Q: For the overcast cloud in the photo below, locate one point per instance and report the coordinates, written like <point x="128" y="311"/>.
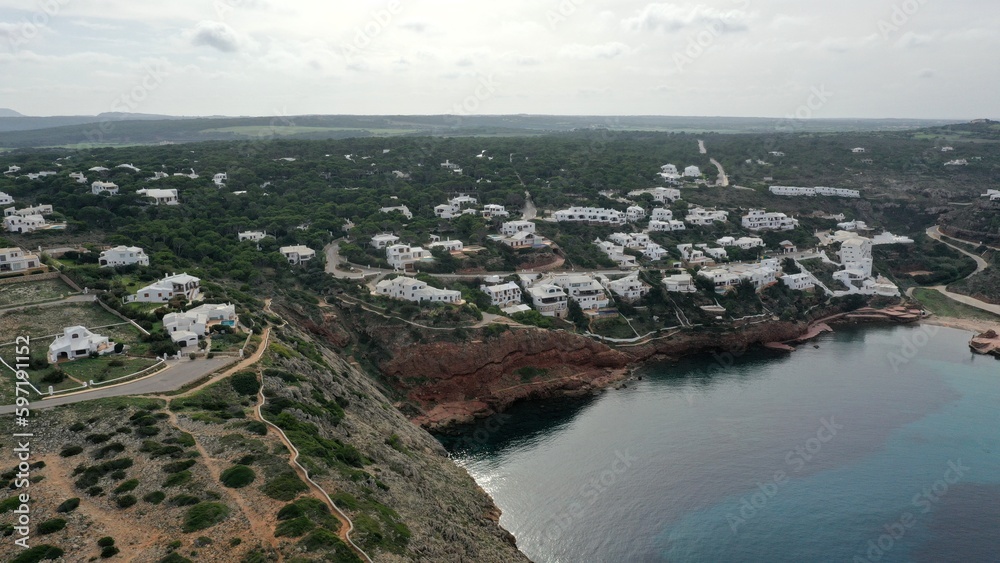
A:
<point x="872" y="58"/>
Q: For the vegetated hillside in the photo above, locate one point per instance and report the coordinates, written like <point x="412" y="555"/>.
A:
<point x="986" y="284"/>
<point x="979" y="222"/>
<point x="203" y="479"/>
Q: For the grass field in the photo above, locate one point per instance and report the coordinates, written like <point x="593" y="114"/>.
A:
<point x="26" y="293"/>
<point x="942" y="306"/>
<point x="284" y="130"/>
<point x="103" y="369"/>
<point x="42" y="322"/>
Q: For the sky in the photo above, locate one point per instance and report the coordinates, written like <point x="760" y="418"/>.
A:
<point x="754" y="58"/>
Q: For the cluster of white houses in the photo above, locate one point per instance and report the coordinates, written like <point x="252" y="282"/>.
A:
<point x="465" y="205"/>
<point x="670" y="172"/>
<point x="810" y="192"/>
<point x="186" y="327"/>
<point x="760" y="220"/>
<point x="409" y="289"/>
<point x="29" y="219"/>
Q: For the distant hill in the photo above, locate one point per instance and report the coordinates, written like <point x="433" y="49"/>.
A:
<point x="130" y="128"/>
<point x="5" y="112"/>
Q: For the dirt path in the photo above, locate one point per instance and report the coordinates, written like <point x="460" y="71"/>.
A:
<point x="132" y="541"/>
<point x="261" y="528"/>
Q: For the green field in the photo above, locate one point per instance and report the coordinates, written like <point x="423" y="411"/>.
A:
<point x="285" y="130"/>
<point x="44" y="323"/>
<point x="942" y="306"/>
<point x="26" y="293"/>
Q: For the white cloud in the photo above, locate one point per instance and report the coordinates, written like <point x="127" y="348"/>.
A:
<point x="217" y="35"/>
<point x="668" y="18"/>
<point x="590" y="52"/>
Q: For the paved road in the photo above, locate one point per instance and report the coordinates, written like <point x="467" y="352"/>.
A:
<point x="530" y="211"/>
<point x="981" y="265"/>
<point x="334" y="263"/>
<point x="701" y="147"/>
<point x="723" y="180"/>
<point x="935" y="233"/>
<point x="179" y="374"/>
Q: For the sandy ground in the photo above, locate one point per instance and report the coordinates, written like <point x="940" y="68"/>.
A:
<point x="972" y="325"/>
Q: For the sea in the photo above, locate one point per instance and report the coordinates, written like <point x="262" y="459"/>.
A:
<point x="866" y="444"/>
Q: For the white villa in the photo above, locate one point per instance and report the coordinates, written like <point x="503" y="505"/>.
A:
<point x="220" y="179"/>
<point x="196" y="321"/>
<point x="162" y="291"/>
<point x="455" y="206"/>
<point x="549" y="300"/>
<point x="799" y="282"/>
<point x="252" y="236"/>
<point x="503" y="295"/>
<point x="661" y="214"/>
<point x="160" y="197"/>
<point x="630" y="288"/>
<point x="702" y="217"/>
<point x="760" y="220"/>
<point x="680" y="283"/>
<point x="524" y="239"/>
<point x="15" y="260"/>
<point x="409" y="289"/>
<point x="591" y="215"/>
<point x="666" y="226"/>
<point x="661" y="195"/>
<point x="400" y="256"/>
<point x="616" y="253"/>
<point x="692" y="172"/>
<point x="6" y="199"/>
<point x="654" y="251"/>
<point x="78" y="342"/>
<point x="634" y="240"/>
<point x="853" y="226"/>
<point x="760" y="274"/>
<point x="43" y="209"/>
<point x="493" y="210"/>
<point x="856" y="260"/>
<point x="511" y="228"/>
<point x="123" y="256"/>
<point x="297" y="254"/>
<point x="810" y="192"/>
<point x="447" y="245"/>
<point x="993" y="195"/>
<point x="24" y="224"/>
<point x="669" y="172"/>
<point x="583" y="289"/>
<point x="635" y="213"/>
<point x="858" y="150"/>
<point x="384" y="240"/>
<point x="79" y="177"/>
<point x="98" y="188"/>
<point x="693" y="256"/>
<point x="401" y="208"/>
<point x="12" y="169"/>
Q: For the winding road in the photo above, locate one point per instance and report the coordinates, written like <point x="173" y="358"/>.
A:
<point x="981" y="264"/>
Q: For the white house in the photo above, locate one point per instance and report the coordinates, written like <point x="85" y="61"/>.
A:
<point x="162" y="291"/>
<point x="669" y="172"/>
<point x="78" y="342"/>
<point x="661" y="214"/>
<point x="666" y="226"/>
<point x="13" y="169"/>
<point x="252" y="236"/>
<point x="123" y="256"/>
<point x="493" y="210"/>
<point x="503" y="295"/>
<point x="853" y="226"/>
<point x="130" y="167"/>
<point x="513" y="227"/>
<point x="447" y="245"/>
<point x="993" y="195"/>
<point x="160" y="197"/>
<point x="702" y="217"/>
<point x="692" y="172"/>
<point x="43" y="209"/>
<point x="199" y="319"/>
<point x="524" y="239"/>
<point x="837" y="192"/>
<point x="98" y="188"/>
<point x="654" y="252"/>
<point x="799" y="282"/>
<point x="24" y="224"/>
<point x="760" y="220"/>
<point x="957" y="162"/>
<point x="856" y="258"/>
<point x="16" y="260"/>
<point x="400" y="208"/>
<point x="792" y="191"/>
<point x="630" y="288"/>
<point x="409" y="289"/>
<point x="635" y="213"/>
<point x="450" y="165"/>
<point x="79" y="177"/>
<point x="297" y="254"/>
<point x="6" y="199"/>
<point x="220" y="179"/>
<point x="616" y="253"/>
<point x="665" y="195"/>
<point x="383" y="240"/>
<point x="400" y="256"/>
<point x="549" y="300"/>
<point x="591" y="215"/>
<point x="693" y="256"/>
<point x="680" y="283"/>
<point x="582" y="289"/>
<point x="858" y="150"/>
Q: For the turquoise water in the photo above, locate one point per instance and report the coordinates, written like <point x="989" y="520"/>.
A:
<point x="882" y="444"/>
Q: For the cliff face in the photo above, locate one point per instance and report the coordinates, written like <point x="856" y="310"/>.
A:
<point x="457" y="382"/>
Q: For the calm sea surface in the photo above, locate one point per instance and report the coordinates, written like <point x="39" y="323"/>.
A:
<point x="882" y="444"/>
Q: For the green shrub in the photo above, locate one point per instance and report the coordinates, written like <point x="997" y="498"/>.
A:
<point x="77" y="427"/>
<point x="54" y="377"/>
<point x="294" y="528"/>
<point x="68" y="505"/>
<point x="184" y="500"/>
<point x="174" y="558"/>
<point x="106" y="541"/>
<point x="257" y="427"/>
<point x="127" y="486"/>
<point x="245" y="383"/>
<point x="51" y="526"/>
<point x="97" y="438"/>
<point x="125" y="501"/>
<point x="95" y="491"/>
<point x="204" y="515"/>
<point x="285" y="486"/>
<point x="109" y="551"/>
<point x="38" y="553"/>
<point x="177" y="479"/>
<point x="113" y="448"/>
<point x="10" y="503"/>
<point x="155" y="497"/>
<point x="237" y="476"/>
<point x="178" y="466"/>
